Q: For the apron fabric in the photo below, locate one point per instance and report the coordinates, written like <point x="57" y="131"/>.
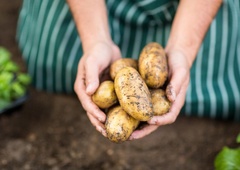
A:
<point x="52" y="48"/>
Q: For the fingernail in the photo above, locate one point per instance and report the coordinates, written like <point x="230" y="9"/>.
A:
<point x="102" y="131"/>
<point x="101" y="120"/>
<point x="89" y="89"/>
<point x="153" y="121"/>
<point x="171" y="93"/>
<point x="131" y="138"/>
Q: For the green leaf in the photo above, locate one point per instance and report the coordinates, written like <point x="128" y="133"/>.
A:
<point x="4" y="52"/>
<point x="10" y="67"/>
<point x="6" y="78"/>
<point x="13" y="83"/>
<point x="228" y="159"/>
<point x="4" y="55"/>
<point x="6" y="94"/>
<point x="238" y="138"/>
<point x="24" y="78"/>
<point x="18" y="90"/>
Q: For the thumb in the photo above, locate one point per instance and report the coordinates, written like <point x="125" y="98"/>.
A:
<point x="177" y="80"/>
<point x="178" y="73"/>
<point x="92" y="76"/>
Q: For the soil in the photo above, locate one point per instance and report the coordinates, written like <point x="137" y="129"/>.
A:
<point x="52" y="131"/>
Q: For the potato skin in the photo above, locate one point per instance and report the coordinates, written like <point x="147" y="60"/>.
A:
<point x="119" y="125"/>
<point x="153" y="66"/>
<point x="133" y="94"/>
<point x="105" y="95"/>
<point x="121" y="63"/>
<point x="161" y="104"/>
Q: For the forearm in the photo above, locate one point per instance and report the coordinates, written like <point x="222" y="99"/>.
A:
<point x="91" y="20"/>
<point x="190" y="25"/>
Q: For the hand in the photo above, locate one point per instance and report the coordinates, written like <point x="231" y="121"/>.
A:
<point x="179" y="75"/>
<point x="92" y="68"/>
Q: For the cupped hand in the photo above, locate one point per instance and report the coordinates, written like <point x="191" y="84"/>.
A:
<point x="179" y="75"/>
<point x="92" y="69"/>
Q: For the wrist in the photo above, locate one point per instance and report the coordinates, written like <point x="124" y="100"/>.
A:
<point x="188" y="31"/>
<point x="91" y="20"/>
<point x="186" y="53"/>
<point x="88" y="45"/>
<point x="90" y="40"/>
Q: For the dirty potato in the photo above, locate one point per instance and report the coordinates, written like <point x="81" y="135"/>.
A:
<point x="121" y="63"/>
<point x="105" y="95"/>
<point x="152" y="65"/>
<point x="161" y="104"/>
<point x="133" y="94"/>
<point x="119" y="125"/>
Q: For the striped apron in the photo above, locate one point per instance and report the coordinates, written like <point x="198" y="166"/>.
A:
<point x="51" y="48"/>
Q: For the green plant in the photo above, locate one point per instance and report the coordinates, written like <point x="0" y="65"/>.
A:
<point x="13" y="83"/>
<point x="228" y="158"/>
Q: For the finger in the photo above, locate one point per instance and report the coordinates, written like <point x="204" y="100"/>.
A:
<point x="170" y="92"/>
<point x="85" y="99"/>
<point x="146" y="130"/>
<point x="90" y="107"/>
<point x="165" y="119"/>
<point x="98" y="125"/>
<point x="175" y="109"/>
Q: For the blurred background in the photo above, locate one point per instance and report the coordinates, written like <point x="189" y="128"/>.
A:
<point x="52" y="131"/>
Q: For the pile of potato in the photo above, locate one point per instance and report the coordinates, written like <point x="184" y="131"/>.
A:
<point x="135" y="92"/>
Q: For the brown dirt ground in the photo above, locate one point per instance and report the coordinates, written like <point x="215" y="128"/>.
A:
<point x="52" y="131"/>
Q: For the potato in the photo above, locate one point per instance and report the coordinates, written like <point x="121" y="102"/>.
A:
<point x="153" y="66"/>
<point x="161" y="104"/>
<point x="133" y="94"/>
<point x="105" y="95"/>
<point x="119" y="125"/>
<point x="121" y="63"/>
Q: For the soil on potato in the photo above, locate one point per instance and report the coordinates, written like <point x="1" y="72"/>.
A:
<point x="52" y="131"/>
